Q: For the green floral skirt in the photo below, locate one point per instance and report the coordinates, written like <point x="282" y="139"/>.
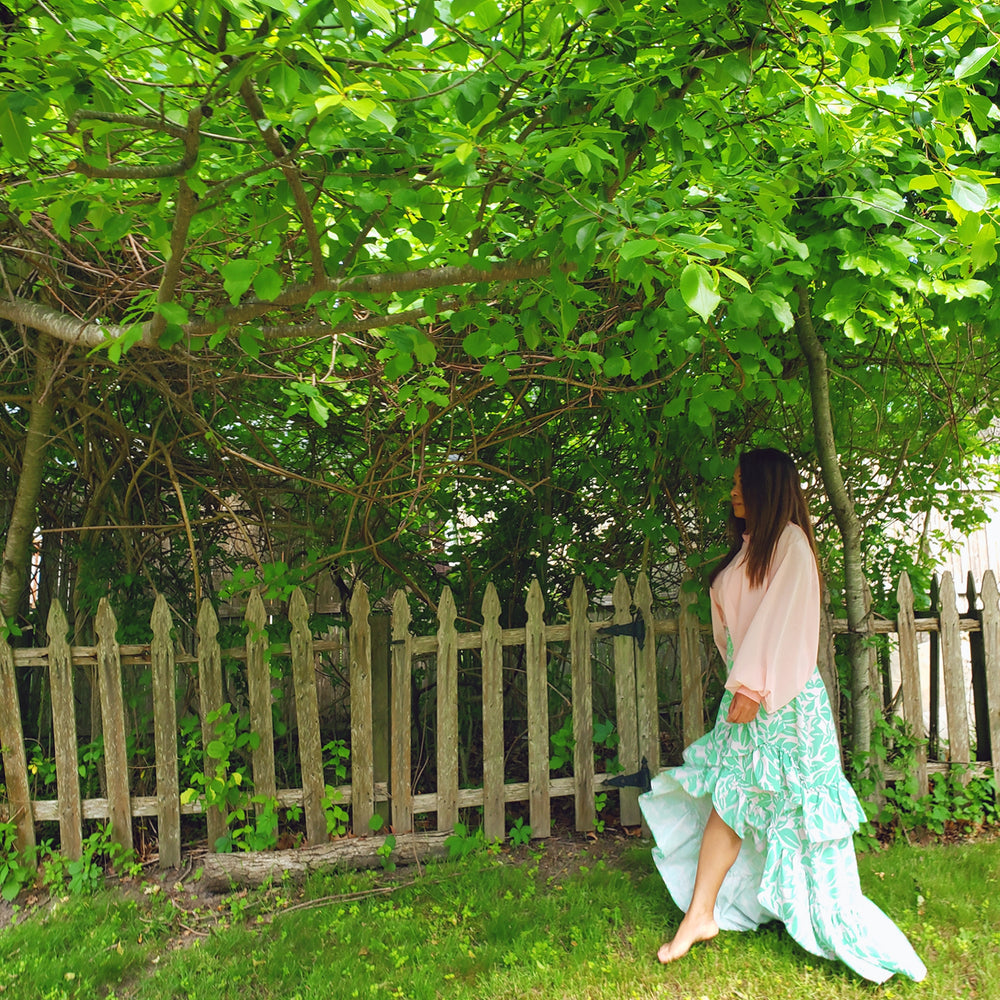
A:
<point x="778" y="782"/>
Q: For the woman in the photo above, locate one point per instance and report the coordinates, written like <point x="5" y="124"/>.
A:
<point x="757" y="824"/>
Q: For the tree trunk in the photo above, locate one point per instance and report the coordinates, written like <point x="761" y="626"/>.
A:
<point x="24" y="515"/>
<point x="848" y="522"/>
<point x="222" y="871"/>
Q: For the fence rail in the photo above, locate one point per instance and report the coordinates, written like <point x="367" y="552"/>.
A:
<point x="632" y="629"/>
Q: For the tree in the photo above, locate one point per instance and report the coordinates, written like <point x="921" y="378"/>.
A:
<point x="438" y="223"/>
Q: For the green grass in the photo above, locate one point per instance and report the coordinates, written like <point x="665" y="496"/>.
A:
<point x="490" y="927"/>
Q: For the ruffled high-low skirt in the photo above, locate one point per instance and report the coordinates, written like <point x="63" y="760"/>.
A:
<point x="778" y="782"/>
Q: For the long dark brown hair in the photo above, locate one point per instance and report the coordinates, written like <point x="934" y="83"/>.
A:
<point x="772" y="496"/>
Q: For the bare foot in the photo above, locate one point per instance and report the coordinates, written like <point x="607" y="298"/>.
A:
<point x="690" y="932"/>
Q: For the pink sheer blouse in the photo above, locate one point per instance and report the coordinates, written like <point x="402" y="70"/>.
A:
<point x="774" y="628"/>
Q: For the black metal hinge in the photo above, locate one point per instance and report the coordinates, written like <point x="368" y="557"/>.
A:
<point x="636" y="628"/>
<point x="641" y="779"/>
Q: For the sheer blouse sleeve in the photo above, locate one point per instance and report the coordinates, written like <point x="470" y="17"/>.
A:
<point x="777" y="652"/>
<point x="718" y="623"/>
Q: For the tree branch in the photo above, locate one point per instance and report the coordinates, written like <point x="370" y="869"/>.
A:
<point x="136" y="121"/>
<point x="94" y="333"/>
<point x="277" y="149"/>
<point x="183" y="214"/>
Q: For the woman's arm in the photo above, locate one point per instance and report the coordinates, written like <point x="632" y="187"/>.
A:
<point x="777" y="652"/>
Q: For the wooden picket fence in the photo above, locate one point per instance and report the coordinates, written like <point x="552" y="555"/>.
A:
<point x="632" y="629"/>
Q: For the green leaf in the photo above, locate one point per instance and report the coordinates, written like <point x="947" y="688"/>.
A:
<point x="952" y="102"/>
<point x="702" y="246"/>
<point x="816" y="119"/>
<point x="384" y="117"/>
<point x="813" y="20"/>
<point x="623" y="102"/>
<point x="638" y="248"/>
<point x="984" y="250"/>
<point x="237" y="277"/>
<point x="976" y="61"/>
<point x="398" y="365"/>
<point x="375" y="13"/>
<point x="217" y="750"/>
<point x="173" y="312"/>
<point x="855" y="329"/>
<point x="780" y="308"/>
<point x="328" y="101"/>
<point x="423" y="17"/>
<point x="363" y="108"/>
<point x="968" y="194"/>
<point x="734" y="276"/>
<point x="699" y="290"/>
<point x="157" y="7"/>
<point x="398" y="250"/>
<point x="284" y="80"/>
<point x="497" y="371"/>
<point x="883" y="12"/>
<point x="478" y="343"/>
<point x="267" y="285"/>
<point x="250" y="342"/>
<point x="117" y="226"/>
<point x="423" y="231"/>
<point x="172" y="334"/>
<point x="14" y="131"/>
<point x="319" y="411"/>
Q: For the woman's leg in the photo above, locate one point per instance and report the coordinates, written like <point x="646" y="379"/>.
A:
<point x="719" y="847"/>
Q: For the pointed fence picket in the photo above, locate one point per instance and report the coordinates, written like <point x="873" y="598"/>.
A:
<point x="307" y="714"/>
<point x="210" y="703"/>
<point x="490" y="652"/>
<point x="109" y="672"/>
<point x="583" y="700"/>
<point x="909" y="669"/>
<point x="168" y="792"/>
<point x="64" y="734"/>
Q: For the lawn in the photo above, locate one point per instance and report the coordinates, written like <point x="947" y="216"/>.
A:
<point x="567" y="919"/>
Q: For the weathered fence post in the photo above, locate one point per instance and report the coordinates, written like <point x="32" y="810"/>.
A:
<point x="934" y="681"/>
<point x="168" y="801"/>
<point x="956" y="706"/>
<point x="381" y="706"/>
<point x="362" y="766"/>
<point x="625" y="701"/>
<point x="583" y="707"/>
<point x="647" y="696"/>
<point x="447" y="713"/>
<point x="15" y="763"/>
<point x="307" y="718"/>
<point x="109" y="669"/>
<point x="400" y="777"/>
<point x="494" y="812"/>
<point x="991" y="648"/>
<point x="259" y="690"/>
<point x="64" y="733"/>
<point x="977" y="661"/>
<point x="692" y="692"/>
<point x="209" y="702"/>
<point x="909" y="671"/>
<point x="536" y="663"/>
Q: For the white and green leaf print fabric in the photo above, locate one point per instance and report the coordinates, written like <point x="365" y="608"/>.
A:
<point x="778" y="782"/>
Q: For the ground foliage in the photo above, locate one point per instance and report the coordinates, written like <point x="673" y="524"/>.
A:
<point x="570" y="917"/>
<point x="486" y="288"/>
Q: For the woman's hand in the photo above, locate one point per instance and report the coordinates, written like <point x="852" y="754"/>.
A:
<point x="742" y="708"/>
